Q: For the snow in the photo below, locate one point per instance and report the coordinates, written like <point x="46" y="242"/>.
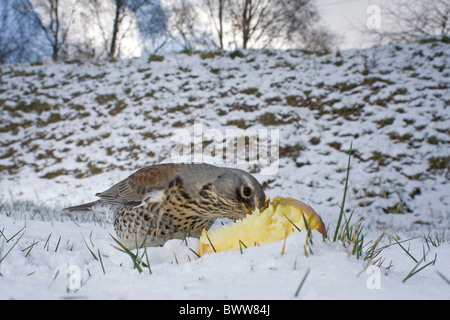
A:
<point x="104" y="120"/>
<point x="257" y="273"/>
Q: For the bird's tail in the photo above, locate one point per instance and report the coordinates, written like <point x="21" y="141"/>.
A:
<point x="85" y="207"/>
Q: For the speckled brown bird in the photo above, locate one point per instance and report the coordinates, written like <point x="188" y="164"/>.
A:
<point x="172" y="201"/>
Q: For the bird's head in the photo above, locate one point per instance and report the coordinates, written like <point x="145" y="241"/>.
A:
<point x="240" y="193"/>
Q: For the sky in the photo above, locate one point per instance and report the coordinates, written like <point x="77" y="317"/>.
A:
<point x="346" y="18"/>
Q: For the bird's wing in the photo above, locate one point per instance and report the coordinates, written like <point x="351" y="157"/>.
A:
<point x="147" y="182"/>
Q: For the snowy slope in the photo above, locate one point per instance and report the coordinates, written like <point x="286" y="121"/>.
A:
<point x="69" y="130"/>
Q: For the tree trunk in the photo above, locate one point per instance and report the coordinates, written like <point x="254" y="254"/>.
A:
<point x="55" y="52"/>
<point x="221" y="24"/>
<point x="54" y="28"/>
<point x="246" y="17"/>
<point x="115" y="32"/>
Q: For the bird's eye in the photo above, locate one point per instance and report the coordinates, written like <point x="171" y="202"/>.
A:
<point x="247" y="191"/>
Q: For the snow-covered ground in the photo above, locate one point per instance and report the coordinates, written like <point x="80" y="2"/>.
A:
<point x="69" y="130"/>
<point x="51" y="270"/>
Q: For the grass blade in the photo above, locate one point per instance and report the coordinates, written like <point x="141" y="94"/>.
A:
<point x="407" y="251"/>
<point x="12" y="247"/>
<point x="30" y="247"/>
<point x="128" y="251"/>
<point x="443" y="277"/>
<point x="308" y="229"/>
<point x="101" y="261"/>
<point x="57" y="245"/>
<point x="196" y="253"/>
<point x="212" y="246"/>
<point x="47" y="244"/>
<point x="414" y="271"/>
<point x="345" y="195"/>
<point x="285" y="237"/>
<point x="295" y="226"/>
<point x="241" y="244"/>
<point x="148" y="261"/>
<point x="302" y="283"/>
<point x="8" y="240"/>
<point x="373" y="252"/>
<point x="93" y="254"/>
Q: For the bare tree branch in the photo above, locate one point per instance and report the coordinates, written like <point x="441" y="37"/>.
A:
<point x="408" y="20"/>
<point x="216" y="9"/>
<point x="265" y="23"/>
<point x="54" y="30"/>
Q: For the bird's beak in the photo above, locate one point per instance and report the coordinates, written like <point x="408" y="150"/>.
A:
<point x="249" y="208"/>
<point x="266" y="204"/>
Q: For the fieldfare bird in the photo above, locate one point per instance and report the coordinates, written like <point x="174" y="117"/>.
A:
<point x="172" y="201"/>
